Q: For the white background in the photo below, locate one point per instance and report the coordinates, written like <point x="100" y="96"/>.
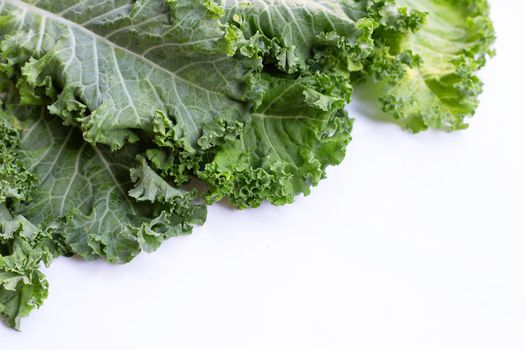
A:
<point x="414" y="242"/>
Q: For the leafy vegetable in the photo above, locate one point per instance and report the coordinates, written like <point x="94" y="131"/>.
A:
<point x="294" y="135"/>
<point x="22" y="286"/>
<point x="123" y="72"/>
<point x="428" y="77"/>
<point x="87" y="200"/>
<point x="109" y="110"/>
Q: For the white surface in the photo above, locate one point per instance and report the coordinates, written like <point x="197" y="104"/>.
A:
<point x="415" y="242"/>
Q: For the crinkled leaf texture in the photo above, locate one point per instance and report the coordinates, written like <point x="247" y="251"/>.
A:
<point x="16" y="181"/>
<point x="296" y="35"/>
<point x="428" y="76"/>
<point x="81" y="199"/>
<point x="101" y="203"/>
<point x="22" y="286"/>
<point x="108" y="107"/>
<point x="187" y="75"/>
<point x="22" y="249"/>
<point x="298" y="127"/>
<point x="112" y="67"/>
<point x="123" y="99"/>
<point x="294" y="135"/>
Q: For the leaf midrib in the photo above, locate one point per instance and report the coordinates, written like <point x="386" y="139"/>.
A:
<point x="47" y="14"/>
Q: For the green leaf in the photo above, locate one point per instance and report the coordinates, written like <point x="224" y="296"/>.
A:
<point x="109" y="108"/>
<point x="187" y="75"/>
<point x="110" y="67"/>
<point x="428" y="78"/>
<point x="82" y="193"/>
<point x="295" y="35"/>
<point x="295" y="134"/>
<point x="23" y="248"/>
<point x="16" y="181"/>
<point x="298" y="128"/>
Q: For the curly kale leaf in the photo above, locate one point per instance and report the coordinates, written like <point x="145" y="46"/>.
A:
<point x="16" y="181"/>
<point x="427" y="75"/>
<point x="22" y="248"/>
<point x="186" y="76"/>
<point x="299" y="129"/>
<point x="111" y="67"/>
<point x="81" y="199"/>
<point x="109" y="107"/>
<point x="100" y="203"/>
<point x="301" y="36"/>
